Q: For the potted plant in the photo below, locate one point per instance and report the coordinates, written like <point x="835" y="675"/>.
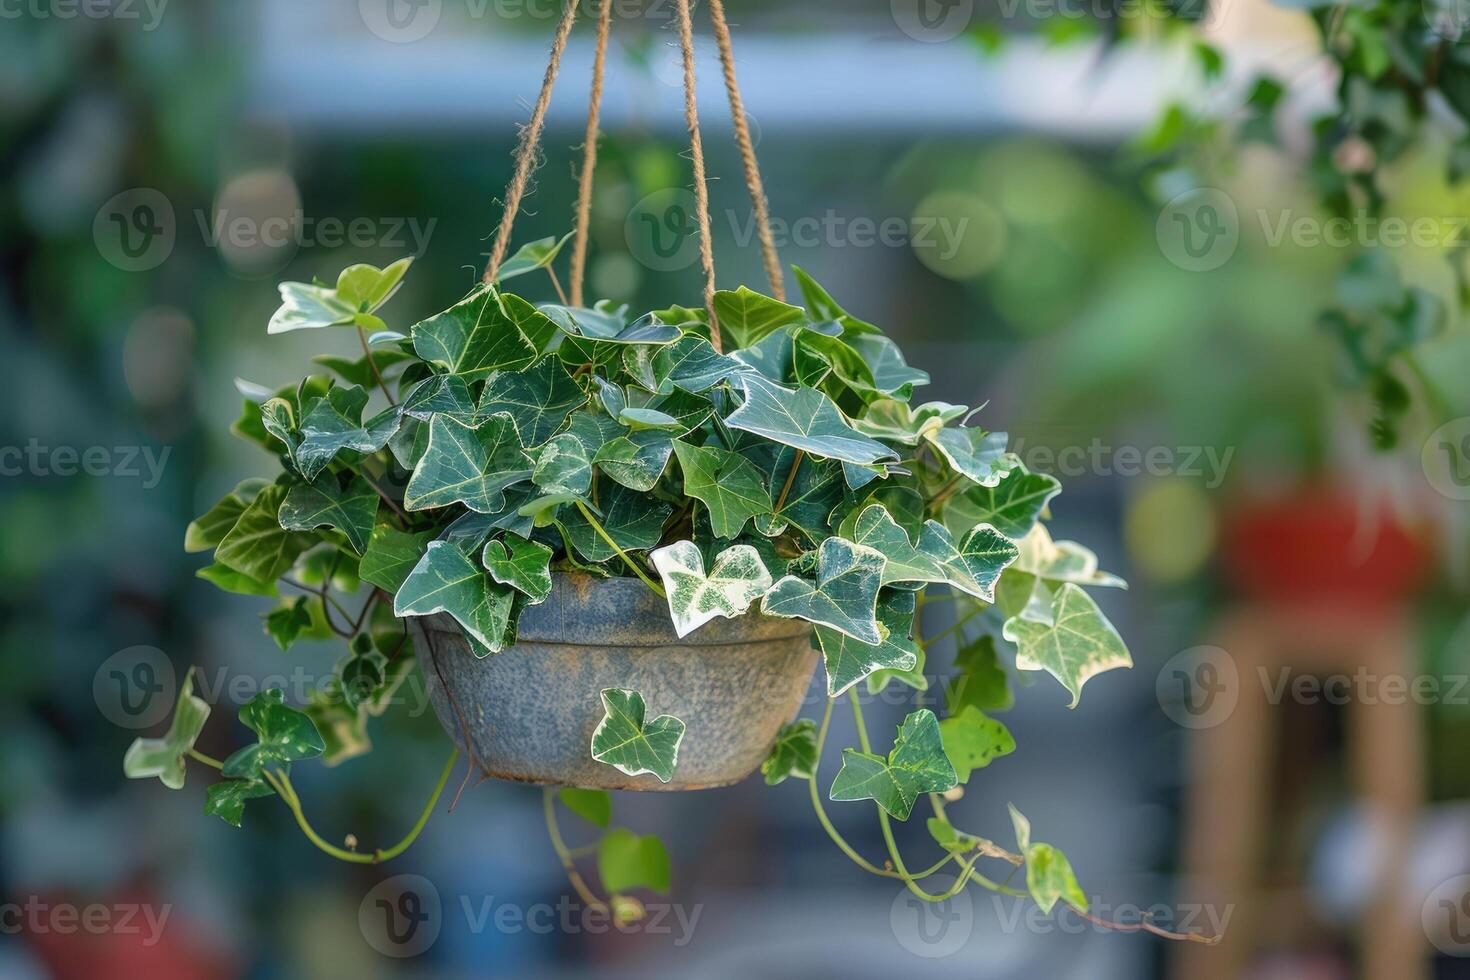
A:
<point x="615" y="547"/>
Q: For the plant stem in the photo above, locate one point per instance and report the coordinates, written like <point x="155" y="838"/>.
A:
<point x="790" y="479"/>
<point x="587" y="516"/>
<point x="373" y="366"/>
<point x="944" y="494"/>
<point x="281" y="783"/>
<point x="210" y="761"/>
<point x="568" y="860"/>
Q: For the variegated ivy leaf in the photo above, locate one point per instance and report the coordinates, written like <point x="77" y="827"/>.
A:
<point x="283" y="735"/>
<point x="972" y="741"/>
<point x="477" y="335"/>
<point x="947" y="837"/>
<point x="360" y="289"/>
<point x="563" y="467"/>
<point x="164" y="757"/>
<point x="391" y="554"/>
<point x="1011" y="506"/>
<point x="352" y="510"/>
<point x="334" y="424"/>
<point x="605" y="325"/>
<point x="746" y="315"/>
<point x="649" y="418"/>
<point x="891" y="373"/>
<point x="917" y="764"/>
<point x="446" y="580"/>
<point x="978" y="455"/>
<point x="1061" y="561"/>
<point x="538" y="400"/>
<point x="737" y="578"/>
<point x="848" y="660"/>
<point x="794" y="754"/>
<point x="209" y="529"/>
<point x="636" y="460"/>
<point x="897" y="421"/>
<point x="530" y="257"/>
<point x="278" y="421"/>
<point x="1077" y="644"/>
<point x="729" y="485"/>
<point x="523" y="565"/>
<point x="226" y="798"/>
<point x="624" y="741"/>
<point x="466" y="464"/>
<point x="858" y="477"/>
<point x="844" y="596"/>
<point x="257" y="546"/>
<point x="804" y="419"/>
<point x="689" y="364"/>
<point x="1049" y="875"/>
<point x="633" y="520"/>
<point x="972" y="567"/>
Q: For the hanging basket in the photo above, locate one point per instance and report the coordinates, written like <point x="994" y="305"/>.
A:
<point x="529" y="712"/>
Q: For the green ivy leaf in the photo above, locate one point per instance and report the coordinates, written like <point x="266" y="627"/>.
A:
<point x="477" y="336"/>
<point x="1011" y="506"/>
<point x="981" y="681"/>
<point x="164" y="757"/>
<point x="360" y="289"/>
<point x="689" y="364"/>
<point x="467" y="464"/>
<point x="972" y="741"/>
<point x="804" y="419"/>
<point x="523" y="565"/>
<point x="284" y="735"/>
<point x="848" y="661"/>
<point x="1049" y="875"/>
<point x="226" y="578"/>
<point x="563" y="466"/>
<point x="297" y="617"/>
<point x="257" y="546"/>
<point x="592" y="805"/>
<point x="891" y="373"/>
<point x="794" y="754"/>
<point x="636" y="460"/>
<point x="631" y="519"/>
<point x="822" y="306"/>
<point x="737" y="578"/>
<point x="897" y="421"/>
<point x="1077" y="644"/>
<point x="917" y="764"/>
<point x="334" y="424"/>
<point x="626" y="861"/>
<point x="538" y="400"/>
<point x="351" y="510"/>
<point x="531" y="256"/>
<point x="844" y="597"/>
<point x="446" y="580"/>
<point x="391" y="554"/>
<point x="729" y="485"/>
<point x="356" y="371"/>
<point x="746" y="315"/>
<point x="947" y="837"/>
<point x="209" y="529"/>
<point x="976" y="454"/>
<point x="624" y="741"/>
<point x="226" y="799"/>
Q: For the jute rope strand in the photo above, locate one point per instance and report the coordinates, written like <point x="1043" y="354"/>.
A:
<point x="530" y="139"/>
<point x="696" y="152"/>
<point x="747" y="152"/>
<point x="589" y="155"/>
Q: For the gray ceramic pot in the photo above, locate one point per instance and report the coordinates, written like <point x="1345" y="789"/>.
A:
<point x="530" y="711"/>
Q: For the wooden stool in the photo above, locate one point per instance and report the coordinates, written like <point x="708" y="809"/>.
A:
<point x="1231" y="769"/>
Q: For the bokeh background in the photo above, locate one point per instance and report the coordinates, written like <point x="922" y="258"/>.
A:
<point x="978" y="178"/>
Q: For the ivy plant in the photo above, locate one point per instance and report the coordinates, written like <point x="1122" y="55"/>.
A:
<point x="774" y="463"/>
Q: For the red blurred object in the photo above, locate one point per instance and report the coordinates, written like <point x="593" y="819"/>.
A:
<point x="123" y="943"/>
<point x="1322" y="547"/>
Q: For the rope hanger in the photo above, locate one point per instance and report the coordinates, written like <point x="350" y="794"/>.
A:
<point x="531" y="139"/>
